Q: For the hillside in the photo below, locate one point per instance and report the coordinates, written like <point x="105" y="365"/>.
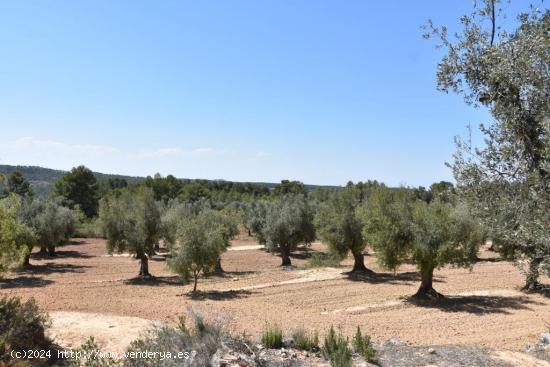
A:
<point x="42" y="179"/>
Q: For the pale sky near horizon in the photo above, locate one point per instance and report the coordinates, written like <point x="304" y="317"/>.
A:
<point x="318" y="91"/>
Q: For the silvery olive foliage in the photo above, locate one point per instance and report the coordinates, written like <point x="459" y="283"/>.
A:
<point x="288" y="223"/>
<point x="505" y="69"/>
<point x="201" y="240"/>
<point x="337" y="223"/>
<point x="131" y="222"/>
<point x="51" y="223"/>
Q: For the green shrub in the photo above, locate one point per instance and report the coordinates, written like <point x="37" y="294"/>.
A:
<point x="363" y="346"/>
<point x="305" y="341"/>
<point x="22" y="327"/>
<point x="320" y="260"/>
<point x="88" y="355"/>
<point x="335" y="349"/>
<point x="272" y="337"/>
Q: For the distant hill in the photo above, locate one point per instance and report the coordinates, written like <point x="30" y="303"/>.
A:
<point x="42" y="179"/>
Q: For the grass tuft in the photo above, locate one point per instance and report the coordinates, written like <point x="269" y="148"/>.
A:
<point x="272" y="337"/>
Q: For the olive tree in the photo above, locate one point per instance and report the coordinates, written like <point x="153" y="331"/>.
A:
<point x="131" y="222"/>
<point x="503" y="66"/>
<point x="229" y="229"/>
<point x="388" y="225"/>
<point x="254" y="218"/>
<point x="51" y="223"/>
<point x="289" y="222"/>
<point x="401" y="227"/>
<point x="201" y="241"/>
<point x="339" y="226"/>
<point x="442" y="235"/>
<point x="173" y="213"/>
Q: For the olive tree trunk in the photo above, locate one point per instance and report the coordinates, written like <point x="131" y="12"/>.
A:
<point x="144" y="267"/>
<point x="359" y="263"/>
<point x="218" y="267"/>
<point x="285" y="255"/>
<point x="196" y="276"/>
<point x="532" y="279"/>
<point x="426" y="289"/>
<point x="51" y="250"/>
<point x="27" y="260"/>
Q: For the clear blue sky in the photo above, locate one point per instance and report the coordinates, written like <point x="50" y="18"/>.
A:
<point x="318" y="91"/>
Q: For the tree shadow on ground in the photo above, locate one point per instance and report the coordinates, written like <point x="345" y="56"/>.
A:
<point x="219" y="295"/>
<point x="477" y="304"/>
<point x="408" y="277"/>
<point x="387" y="278"/>
<point x="160" y="257"/>
<point x="489" y="260"/>
<point x="542" y="289"/>
<point x="60" y="254"/>
<point x="24" y="282"/>
<point x="51" y="267"/>
<point x="233" y="274"/>
<point x="302" y="255"/>
<point x="75" y="242"/>
<point x="156" y="281"/>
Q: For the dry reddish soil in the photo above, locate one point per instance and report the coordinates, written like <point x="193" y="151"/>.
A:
<point x="88" y="292"/>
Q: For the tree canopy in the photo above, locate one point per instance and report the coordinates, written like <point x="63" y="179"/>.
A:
<point x="18" y="184"/>
<point x="339" y="226"/>
<point x="131" y="222"/>
<point x="79" y="187"/>
<point x="401" y="227"/>
<point x="202" y="240"/>
<point x="14" y="236"/>
<point x="289" y="222"/>
<point x="507" y="180"/>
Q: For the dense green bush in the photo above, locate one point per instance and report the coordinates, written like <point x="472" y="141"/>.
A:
<point x="336" y="350"/>
<point x="305" y="341"/>
<point x="22" y="327"/>
<point x="363" y="346"/>
<point x="16" y="239"/>
<point x="272" y="337"/>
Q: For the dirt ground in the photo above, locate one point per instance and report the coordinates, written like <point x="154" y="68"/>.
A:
<point x="89" y="292"/>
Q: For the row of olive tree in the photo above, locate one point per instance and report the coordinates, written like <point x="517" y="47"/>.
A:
<point x="26" y="222"/>
<point x="399" y="224"/>
<point x="195" y="234"/>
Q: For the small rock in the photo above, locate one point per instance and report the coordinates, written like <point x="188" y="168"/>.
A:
<point x="431" y="351"/>
<point x="545" y="338"/>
